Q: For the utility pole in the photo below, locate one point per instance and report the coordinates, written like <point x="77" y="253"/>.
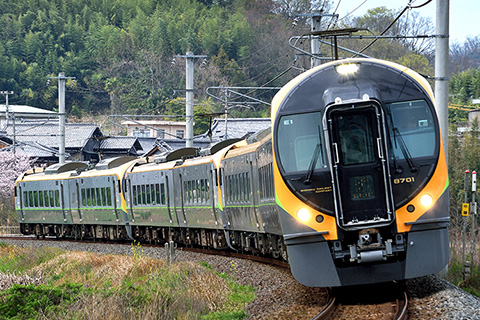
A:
<point x="315" y="43"/>
<point x="441" y="67"/>
<point x="474" y="216"/>
<point x="190" y="59"/>
<point x="7" y="115"/>
<point x="465" y="213"/>
<point x="61" y="115"/>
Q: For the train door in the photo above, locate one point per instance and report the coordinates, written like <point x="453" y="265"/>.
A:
<point x="169" y="192"/>
<point x="20" y="201"/>
<point x="129" y="196"/>
<point x="212" y="189"/>
<point x="75" y="208"/>
<point x="178" y="197"/>
<point x="65" y="208"/>
<point x="253" y="195"/>
<point x="360" y="171"/>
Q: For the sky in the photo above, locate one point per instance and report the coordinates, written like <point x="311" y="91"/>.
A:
<point x="464" y="14"/>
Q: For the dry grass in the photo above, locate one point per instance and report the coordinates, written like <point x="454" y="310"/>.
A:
<point x="125" y="287"/>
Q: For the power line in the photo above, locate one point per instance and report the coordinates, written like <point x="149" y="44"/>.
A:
<point x="361" y="4"/>
<point x="384" y="31"/>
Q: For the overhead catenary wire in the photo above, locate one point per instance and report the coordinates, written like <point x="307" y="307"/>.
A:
<point x="384" y="31"/>
<point x="361" y="4"/>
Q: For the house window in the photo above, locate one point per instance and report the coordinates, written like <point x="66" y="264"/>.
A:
<point x="180" y="134"/>
<point x="141" y="133"/>
<point x="161" y="133"/>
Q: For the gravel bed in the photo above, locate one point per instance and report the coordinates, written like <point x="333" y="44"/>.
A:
<point x="279" y="296"/>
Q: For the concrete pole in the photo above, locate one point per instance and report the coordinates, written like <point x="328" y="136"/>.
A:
<point x="61" y="117"/>
<point x="7" y="116"/>
<point x="189" y="97"/>
<point x="441" y="67"/>
<point x="315" y="43"/>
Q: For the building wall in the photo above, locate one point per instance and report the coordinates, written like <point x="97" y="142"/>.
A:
<point x="154" y="129"/>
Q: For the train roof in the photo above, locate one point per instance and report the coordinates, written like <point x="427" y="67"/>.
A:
<point x="237" y="150"/>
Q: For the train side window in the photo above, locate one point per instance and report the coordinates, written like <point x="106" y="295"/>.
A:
<point x="198" y="190"/>
<point x="84" y="197"/>
<point x="157" y="193"/>
<point x="109" y="196"/>
<point x="89" y="197"/>
<point x="94" y="198"/>
<point x="45" y="197"/>
<point x="136" y="195"/>
<point x="143" y="196"/>
<point x="104" y="197"/>
<point x="40" y="198"/>
<point x="228" y="188"/>
<point x="205" y="190"/>
<point x="35" y="198"/>
<point x="162" y="193"/>
<point x="249" y="189"/>
<point x="235" y="188"/>
<point x="25" y="199"/>
<point x="57" y="199"/>
<point x="202" y="190"/>
<point x="260" y="182"/>
<point x="52" y="198"/>
<point x="148" y="194"/>
<point x="99" y="197"/>
<point x="30" y="197"/>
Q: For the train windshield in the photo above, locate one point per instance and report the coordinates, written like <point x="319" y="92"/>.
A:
<point x="299" y="138"/>
<point x="411" y="128"/>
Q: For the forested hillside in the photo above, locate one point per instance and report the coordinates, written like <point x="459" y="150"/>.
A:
<point x="121" y="52"/>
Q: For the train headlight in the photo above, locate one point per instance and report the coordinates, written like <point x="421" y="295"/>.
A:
<point x="303" y="214"/>
<point x="347" y="68"/>
<point x="426" y="200"/>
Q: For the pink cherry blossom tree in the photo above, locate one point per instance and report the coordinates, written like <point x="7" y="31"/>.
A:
<point x="12" y="165"/>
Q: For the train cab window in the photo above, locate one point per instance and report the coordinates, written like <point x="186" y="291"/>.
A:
<point x="298" y="138"/>
<point x="411" y="126"/>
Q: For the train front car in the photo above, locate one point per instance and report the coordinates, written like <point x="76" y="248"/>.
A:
<point x="360" y="174"/>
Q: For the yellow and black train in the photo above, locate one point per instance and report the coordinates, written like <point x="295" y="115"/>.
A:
<point x="350" y="184"/>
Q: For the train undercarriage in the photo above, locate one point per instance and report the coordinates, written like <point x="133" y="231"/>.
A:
<point x="264" y="244"/>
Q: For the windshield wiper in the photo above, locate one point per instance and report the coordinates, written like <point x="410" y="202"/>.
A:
<point x="404" y="149"/>
<point x="313" y="162"/>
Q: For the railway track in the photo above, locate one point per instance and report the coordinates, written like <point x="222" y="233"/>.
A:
<point x="343" y="305"/>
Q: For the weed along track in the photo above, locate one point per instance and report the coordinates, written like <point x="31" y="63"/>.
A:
<point x="274" y="292"/>
<point x="268" y="291"/>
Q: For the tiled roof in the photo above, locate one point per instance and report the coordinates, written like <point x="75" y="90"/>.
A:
<point x="238" y="128"/>
<point x="35" y="150"/>
<point x="120" y="143"/>
<point x="76" y="134"/>
<point x="147" y="143"/>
